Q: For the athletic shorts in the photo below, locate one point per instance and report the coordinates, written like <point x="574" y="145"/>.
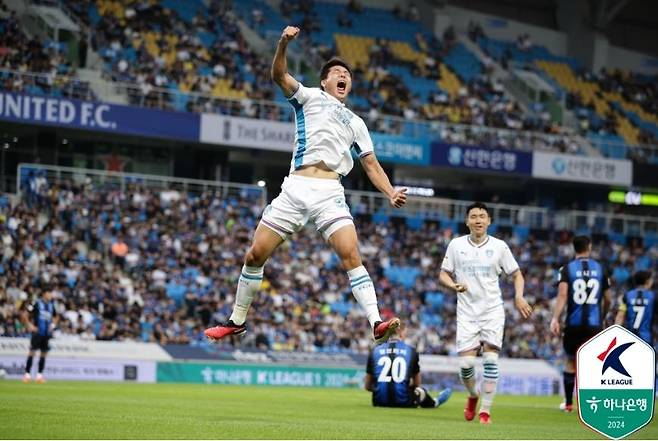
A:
<point x="575" y="336"/>
<point x="303" y="200"/>
<point x="39" y="343"/>
<point x="471" y="332"/>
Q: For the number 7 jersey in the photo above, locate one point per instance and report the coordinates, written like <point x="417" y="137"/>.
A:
<point x="587" y="284"/>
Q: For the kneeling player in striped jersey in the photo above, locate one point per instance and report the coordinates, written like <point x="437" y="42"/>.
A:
<point x="393" y="376"/>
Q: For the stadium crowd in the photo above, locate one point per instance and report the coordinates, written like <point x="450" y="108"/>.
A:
<point x="207" y="59"/>
<point x="161" y="266"/>
<point x="26" y="65"/>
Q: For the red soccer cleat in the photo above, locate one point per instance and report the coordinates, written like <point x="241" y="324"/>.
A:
<point x="383" y="330"/>
<point x="485" y="418"/>
<point x="567" y="408"/>
<point x="469" y="410"/>
<point x="223" y="329"/>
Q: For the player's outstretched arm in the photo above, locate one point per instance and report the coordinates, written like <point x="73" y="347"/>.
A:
<point x="396" y="196"/>
<point x="280" y="75"/>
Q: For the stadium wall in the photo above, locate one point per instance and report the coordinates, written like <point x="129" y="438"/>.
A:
<point x="504" y="29"/>
<point x="87" y="360"/>
<point x="209" y="364"/>
<point x="621" y="58"/>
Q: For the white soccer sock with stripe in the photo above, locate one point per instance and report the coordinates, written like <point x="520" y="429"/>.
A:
<point x="248" y="285"/>
<point x="490" y="380"/>
<point x="364" y="293"/>
<point x="467" y="373"/>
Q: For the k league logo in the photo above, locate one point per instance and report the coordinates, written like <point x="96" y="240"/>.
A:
<point x="610" y="358"/>
<point x="616" y="382"/>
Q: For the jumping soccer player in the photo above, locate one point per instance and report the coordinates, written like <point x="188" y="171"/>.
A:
<point x="327" y="134"/>
<point x="637" y="308"/>
<point x="584" y="288"/>
<point x="471" y="267"/>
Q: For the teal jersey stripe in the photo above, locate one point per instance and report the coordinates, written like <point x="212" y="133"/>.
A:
<point x="247" y="276"/>
<point x="301" y="133"/>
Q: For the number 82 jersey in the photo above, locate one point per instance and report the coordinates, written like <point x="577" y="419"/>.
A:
<point x="587" y="284"/>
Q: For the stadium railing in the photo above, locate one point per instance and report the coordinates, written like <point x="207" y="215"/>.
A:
<point x="371" y="203"/>
<point x="586" y="222"/>
<point x="447" y="209"/>
<point x="166" y="99"/>
<point x="121" y="180"/>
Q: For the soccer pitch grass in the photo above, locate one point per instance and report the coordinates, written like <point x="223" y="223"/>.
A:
<point x="82" y="410"/>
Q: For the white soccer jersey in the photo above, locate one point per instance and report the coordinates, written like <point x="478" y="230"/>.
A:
<point x="326" y="131"/>
<point x="478" y="267"/>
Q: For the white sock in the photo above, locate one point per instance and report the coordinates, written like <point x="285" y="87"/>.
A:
<point x="364" y="293"/>
<point x="248" y="285"/>
<point x="467" y="373"/>
<point x="489" y="381"/>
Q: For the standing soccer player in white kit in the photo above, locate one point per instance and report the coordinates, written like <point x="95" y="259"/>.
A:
<point x="471" y="267"/>
<point x="327" y="133"/>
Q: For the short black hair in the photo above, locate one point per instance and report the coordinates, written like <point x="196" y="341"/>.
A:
<point x="641" y="277"/>
<point x="334" y="61"/>
<point x="475" y="205"/>
<point x="581" y="244"/>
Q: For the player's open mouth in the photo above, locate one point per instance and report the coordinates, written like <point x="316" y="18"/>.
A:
<point x="341" y="86"/>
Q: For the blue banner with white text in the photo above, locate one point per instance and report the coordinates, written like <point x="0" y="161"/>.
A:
<point x="85" y="115"/>
<point x="401" y="149"/>
<point x="481" y="158"/>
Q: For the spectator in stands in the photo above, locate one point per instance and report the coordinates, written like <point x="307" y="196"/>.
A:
<point x="475" y="31"/>
<point x="343" y="20"/>
<point x="354" y="6"/>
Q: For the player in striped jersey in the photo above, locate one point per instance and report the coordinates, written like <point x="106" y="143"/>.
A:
<point x="40" y="319"/>
<point x="637" y="308"/>
<point x="327" y="134"/>
<point x="583" y="287"/>
<point x="393" y="376"/>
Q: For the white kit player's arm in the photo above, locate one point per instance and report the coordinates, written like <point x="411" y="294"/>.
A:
<point x="447" y="269"/>
<point x="280" y="75"/>
<point x="511" y="268"/>
<point x="363" y="145"/>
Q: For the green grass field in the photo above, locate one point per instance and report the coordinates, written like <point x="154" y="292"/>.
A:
<point x="79" y="410"/>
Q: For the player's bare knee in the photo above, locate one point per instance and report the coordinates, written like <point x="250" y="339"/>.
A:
<point x="255" y="257"/>
<point x="466" y="361"/>
<point x="350" y="259"/>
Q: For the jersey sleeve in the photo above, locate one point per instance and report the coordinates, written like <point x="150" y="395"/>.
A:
<point x="448" y="263"/>
<point x="301" y="95"/>
<point x="362" y="141"/>
<point x="563" y="275"/>
<point x="507" y="261"/>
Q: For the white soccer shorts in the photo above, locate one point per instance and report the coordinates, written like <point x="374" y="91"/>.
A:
<point x="303" y="200"/>
<point x="489" y="328"/>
